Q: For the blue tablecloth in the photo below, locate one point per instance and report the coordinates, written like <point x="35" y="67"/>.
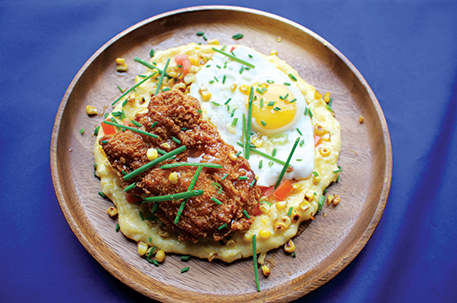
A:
<point x="406" y="50"/>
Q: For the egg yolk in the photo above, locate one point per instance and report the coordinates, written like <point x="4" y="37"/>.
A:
<point x="273" y="106"/>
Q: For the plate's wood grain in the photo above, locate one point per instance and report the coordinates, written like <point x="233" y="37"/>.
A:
<point x="323" y="249"/>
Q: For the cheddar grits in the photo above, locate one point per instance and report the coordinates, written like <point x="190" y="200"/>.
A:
<point x="277" y="220"/>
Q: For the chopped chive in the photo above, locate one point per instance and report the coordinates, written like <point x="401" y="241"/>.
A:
<point x="199" y="111"/>
<point x="330" y="102"/>
<point x="180" y="66"/>
<point x="242" y="178"/>
<point x="302" y="142"/>
<point x="104" y="141"/>
<point x="216" y="201"/>
<point x="254" y="257"/>
<point x="151" y="53"/>
<point x="223" y="79"/>
<point x="299" y="131"/>
<point x="155" y="263"/>
<point x="223" y="177"/>
<point x="161" y="151"/>
<point x="270" y="163"/>
<point x="154" y="124"/>
<point x="315" y="173"/>
<point x="130" y="187"/>
<point x="125" y="103"/>
<point x="237" y="36"/>
<point x="141" y="215"/>
<point x="252" y="184"/>
<point x="246" y="214"/>
<point x="97" y="129"/>
<point x="222" y="226"/>
<point x="270" y="81"/>
<point x="114" y="121"/>
<point x="132" y="129"/>
<point x="261" y="103"/>
<point x="132" y="88"/>
<point x="155" y="208"/>
<point x="106" y="115"/>
<point x="191" y="186"/>
<point x="264" y="154"/>
<point x="271" y="103"/>
<point x="151" y="251"/>
<point x="218" y="186"/>
<point x="182" y="195"/>
<point x="281" y="175"/>
<point x="233" y="112"/>
<point x="145" y="167"/>
<point x="247" y="141"/>
<point x="102" y="194"/>
<point x="211" y="81"/>
<point x="225" y="64"/>
<point x="290" y="210"/>
<point x="81" y="131"/>
<point x="150" y="240"/>
<point x="215" y="103"/>
<point x="260" y="164"/>
<point x="266" y="202"/>
<point x="208" y="65"/>
<point x="200" y="34"/>
<point x="329" y="108"/>
<point x="118" y="227"/>
<point x="233" y="57"/>
<point x="277" y="108"/>
<point x="285" y="97"/>
<point x="298" y="160"/>
<point x="180" y="164"/>
<point x="321" y="202"/>
<point x="286" y="84"/>
<point x="227" y="102"/>
<point x="238" y="153"/>
<point x="185" y="258"/>
<point x="294" y="254"/>
<point x="337" y="171"/>
<point x="292" y="77"/>
<point x="119" y="88"/>
<point x="292" y="101"/>
<point x="261" y="90"/>
<point x="325" y="190"/>
<point x="161" y="77"/>
<point x="250" y="56"/>
<point x="263" y="123"/>
<point x="204" y="38"/>
<point x="273" y="154"/>
<point x="166" y="89"/>
<point x="310" y="113"/>
<point x="95" y="170"/>
<point x="123" y="172"/>
<point x="184" y="269"/>
<point x="235" y="121"/>
<point x="136" y="123"/>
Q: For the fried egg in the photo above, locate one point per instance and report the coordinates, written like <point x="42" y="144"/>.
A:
<point x="277" y="116"/>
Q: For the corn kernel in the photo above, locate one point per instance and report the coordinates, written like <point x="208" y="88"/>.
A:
<point x="122" y="68"/>
<point x="264" y="234"/>
<point x="233" y="87"/>
<point x="266" y="270"/>
<point x="193" y="60"/>
<point x="289" y="247"/>
<point x="112" y="211"/>
<point x="231" y="129"/>
<point x="120" y="61"/>
<point x="326" y="137"/>
<point x="325" y="152"/>
<point x="180" y="85"/>
<point x="274" y="52"/>
<point x="336" y="200"/>
<point x="212" y="255"/>
<point x="280" y="225"/>
<point x="257" y="142"/>
<point x="278" y="39"/>
<point x="244" y="89"/>
<point x="361" y="119"/>
<point x="142" y="248"/>
<point x="173" y="74"/>
<point x="165" y="145"/>
<point x="213" y="42"/>
<point x="316" y="180"/>
<point x="317" y="95"/>
<point x="194" y="69"/>
<point x="206" y="95"/>
<point x="233" y="157"/>
<point x="261" y="258"/>
<point x="327" y="97"/>
<point x="319" y="130"/>
<point x="189" y="78"/>
<point x="91" y="110"/>
<point x="152" y="154"/>
<point x="281" y="205"/>
<point x="329" y="199"/>
<point x="230" y="242"/>
<point x="309" y="196"/>
<point x="160" y="256"/>
<point x="202" y="88"/>
<point x="173" y="177"/>
<point x="304" y="205"/>
<point x="264" y="208"/>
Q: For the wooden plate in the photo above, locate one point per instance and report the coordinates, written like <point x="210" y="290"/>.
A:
<point x="325" y="247"/>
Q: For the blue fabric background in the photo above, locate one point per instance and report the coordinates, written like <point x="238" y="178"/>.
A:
<point x="406" y="50"/>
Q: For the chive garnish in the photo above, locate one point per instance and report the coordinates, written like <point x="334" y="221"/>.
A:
<point x="136" y="123"/>
<point x="161" y="77"/>
<point x="292" y="101"/>
<point x="330" y="102"/>
<point x="184" y="269"/>
<point x="270" y="81"/>
<point x="271" y="103"/>
<point x="292" y="77"/>
<point x="130" y="187"/>
<point x="104" y="141"/>
<point x="233" y="57"/>
<point x="285" y="97"/>
<point x="329" y="108"/>
<point x="154" y="124"/>
<point x="191" y="186"/>
<point x="247" y="142"/>
<point x="176" y="140"/>
<point x="246" y="214"/>
<point x="151" y="251"/>
<point x="294" y="254"/>
<point x="310" y="113"/>
<point x="117" y="227"/>
<point x="273" y="153"/>
<point x="200" y="34"/>
<point x="264" y="154"/>
<point x="223" y="177"/>
<point x="270" y="163"/>
<point x="216" y="79"/>
<point x="215" y="103"/>
<point x="185" y="258"/>
<point x="125" y="103"/>
<point x="235" y="121"/>
<point x="218" y="186"/>
<point x="223" y="79"/>
<point x="302" y="142"/>
<point x="151" y="53"/>
<point x="102" y="194"/>
<point x="277" y="108"/>
<point x="222" y="226"/>
<point x="119" y="88"/>
<point x="290" y="210"/>
<point x="250" y="56"/>
<point x="260" y="164"/>
<point x="321" y="202"/>
<point x="96" y="130"/>
<point x="204" y="38"/>
<point x="123" y="172"/>
<point x="238" y="153"/>
<point x="215" y="200"/>
<point x="150" y="66"/>
<point x="263" y="123"/>
<point x="227" y="102"/>
<point x="266" y="202"/>
<point x="237" y="36"/>
<point x="81" y="131"/>
<point x="141" y="215"/>
<point x="166" y="89"/>
<point x="95" y="170"/>
<point x="132" y="129"/>
<point x="211" y="81"/>
<point x="155" y="208"/>
<point x="252" y="184"/>
<point x="254" y="257"/>
<point x="241" y="69"/>
<point x="261" y="103"/>
<point x="242" y="178"/>
<point x="286" y="84"/>
<point x="182" y="195"/>
<point x="337" y="171"/>
<point x="299" y="131"/>
<point x="132" y="88"/>
<point x="283" y="171"/>
<point x="161" y="151"/>
<point x="145" y="167"/>
<point x="180" y="164"/>
<point x="150" y="240"/>
<point x="261" y="90"/>
<point x="233" y="113"/>
<point x="315" y="173"/>
<point x="298" y="160"/>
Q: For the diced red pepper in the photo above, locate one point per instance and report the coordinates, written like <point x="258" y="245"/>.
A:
<point x="256" y="210"/>
<point x="233" y="48"/>
<point x="317" y="140"/>
<point x="283" y="190"/>
<point x="132" y="199"/>
<point x="108" y="129"/>
<point x="184" y="61"/>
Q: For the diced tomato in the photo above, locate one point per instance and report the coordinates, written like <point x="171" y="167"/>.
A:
<point x="283" y="190"/>
<point x="184" y="61"/>
<point x="108" y="129"/>
<point x="256" y="210"/>
<point x="317" y="140"/>
<point x="233" y="48"/>
<point x="132" y="199"/>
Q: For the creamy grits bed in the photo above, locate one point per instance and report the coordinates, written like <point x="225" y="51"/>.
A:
<point x="290" y="123"/>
